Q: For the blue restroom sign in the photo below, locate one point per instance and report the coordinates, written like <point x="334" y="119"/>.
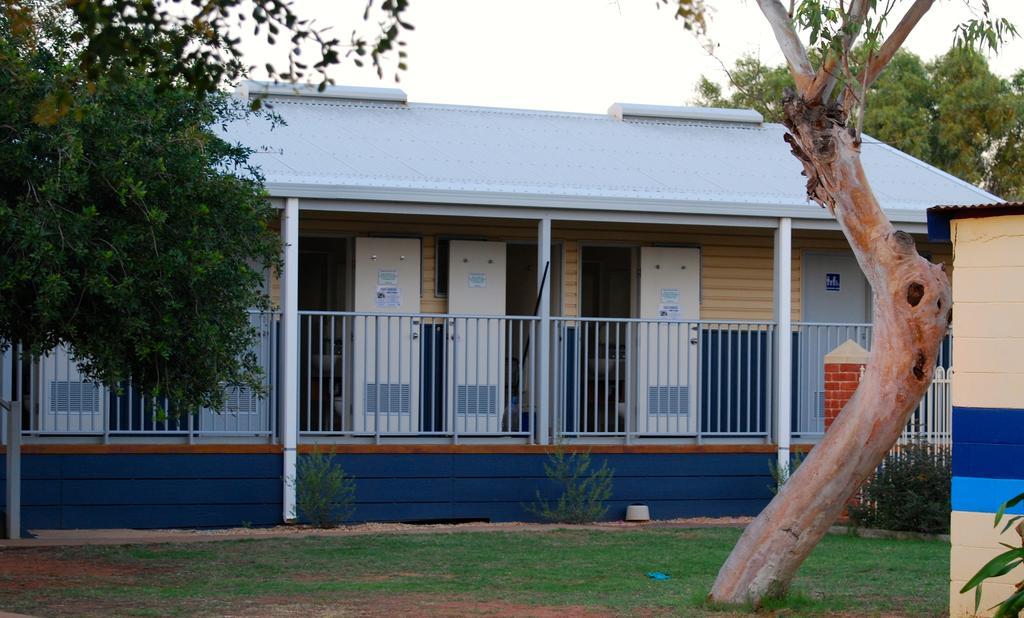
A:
<point x="831" y="282"/>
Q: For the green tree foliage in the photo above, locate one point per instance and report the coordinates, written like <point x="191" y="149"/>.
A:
<point x="198" y="44"/>
<point x="130" y="231"/>
<point x="952" y="112"/>
<point x="755" y="85"/>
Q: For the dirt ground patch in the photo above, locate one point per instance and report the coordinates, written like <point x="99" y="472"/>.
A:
<point x="31" y="570"/>
<point x="428" y="606"/>
<point x="349" y="606"/>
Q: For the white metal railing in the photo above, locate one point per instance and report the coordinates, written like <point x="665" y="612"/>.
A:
<point x="443" y="375"/>
<point x="658" y="378"/>
<point x="63" y="402"/>
<point x="932" y="421"/>
<point x="811" y="343"/>
<point x="447" y="375"/>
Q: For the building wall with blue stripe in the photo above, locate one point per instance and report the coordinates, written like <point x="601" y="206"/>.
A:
<point x="217" y="490"/>
<point x="988" y="399"/>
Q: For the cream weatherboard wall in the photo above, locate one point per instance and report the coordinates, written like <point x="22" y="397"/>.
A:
<point x="824" y="241"/>
<point x="736" y="263"/>
<point x="988" y="397"/>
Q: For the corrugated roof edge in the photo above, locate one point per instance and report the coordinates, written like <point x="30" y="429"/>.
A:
<point x="554" y="202"/>
<point x="637" y="110"/>
<point x="940" y="216"/>
<point x="248" y="89"/>
<point x="983" y="194"/>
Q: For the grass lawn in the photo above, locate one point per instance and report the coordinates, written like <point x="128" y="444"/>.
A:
<point x="555" y="573"/>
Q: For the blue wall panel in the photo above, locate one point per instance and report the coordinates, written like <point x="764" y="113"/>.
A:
<point x="988" y="425"/>
<point x="150" y="490"/>
<point x="215" y="490"/>
<point x="497" y="487"/>
<point x="981" y="495"/>
<point x="994" y="461"/>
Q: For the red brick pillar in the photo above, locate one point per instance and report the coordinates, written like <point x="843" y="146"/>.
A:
<point x="844" y="367"/>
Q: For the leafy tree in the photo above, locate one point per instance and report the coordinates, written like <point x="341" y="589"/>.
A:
<point x="1006" y="173"/>
<point x="131" y="232"/>
<point x="198" y="44"/>
<point x="952" y="112"/>
<point x="755" y="86"/>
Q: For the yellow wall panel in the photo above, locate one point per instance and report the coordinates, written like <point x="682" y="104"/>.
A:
<point x="974" y="542"/>
<point x="1000" y="284"/>
<point x="976" y="530"/>
<point x="995" y="355"/>
<point x="988" y="241"/>
<point x="966" y="561"/>
<point x="961" y="605"/>
<point x="986" y="390"/>
<point x="988" y="319"/>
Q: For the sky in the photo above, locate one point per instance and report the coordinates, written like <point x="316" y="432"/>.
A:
<point x="584" y="55"/>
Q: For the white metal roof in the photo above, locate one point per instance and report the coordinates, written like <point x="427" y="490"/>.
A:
<point x="355" y="148"/>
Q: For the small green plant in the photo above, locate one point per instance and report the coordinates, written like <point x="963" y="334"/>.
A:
<point x="583" y="491"/>
<point x="246" y="524"/>
<point x="909" y="491"/>
<point x="1003" y="564"/>
<point x="780" y="475"/>
<point x="324" y="495"/>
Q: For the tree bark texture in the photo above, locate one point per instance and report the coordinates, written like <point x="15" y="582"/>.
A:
<point x="912" y="310"/>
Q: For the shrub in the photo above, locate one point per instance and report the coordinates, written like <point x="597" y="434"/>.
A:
<point x="909" y="491"/>
<point x="324" y="495"/>
<point x="780" y="475"/>
<point x="583" y="491"/>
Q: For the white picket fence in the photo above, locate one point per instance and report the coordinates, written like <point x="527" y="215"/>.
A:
<point x="932" y="421"/>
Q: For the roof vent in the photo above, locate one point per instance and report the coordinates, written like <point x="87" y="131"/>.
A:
<point x="352" y="93"/>
<point x="623" y="111"/>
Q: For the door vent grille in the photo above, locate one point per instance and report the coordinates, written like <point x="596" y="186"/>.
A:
<point x="819" y="405"/>
<point x="74" y="397"/>
<point x="387" y="399"/>
<point x="476" y="399"/>
<point x="668" y="400"/>
<point x="241" y="401"/>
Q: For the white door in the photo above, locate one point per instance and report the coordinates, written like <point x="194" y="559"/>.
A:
<point x="667" y="340"/>
<point x="835" y="295"/>
<point x="835" y="290"/>
<point x="386" y="347"/>
<point x="476" y="345"/>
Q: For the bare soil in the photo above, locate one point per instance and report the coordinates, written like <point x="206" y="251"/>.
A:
<point x="23" y="571"/>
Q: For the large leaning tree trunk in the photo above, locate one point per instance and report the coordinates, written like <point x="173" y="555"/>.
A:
<point x="911" y="314"/>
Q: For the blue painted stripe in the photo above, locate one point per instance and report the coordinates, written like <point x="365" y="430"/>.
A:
<point x="993" y="461"/>
<point x="184" y="490"/>
<point x="981" y="495"/>
<point x="988" y="425"/>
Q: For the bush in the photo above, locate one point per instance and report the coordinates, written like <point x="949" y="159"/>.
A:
<point x="909" y="491"/>
<point x="324" y="495"/>
<point x="780" y="475"/>
<point x="583" y="492"/>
